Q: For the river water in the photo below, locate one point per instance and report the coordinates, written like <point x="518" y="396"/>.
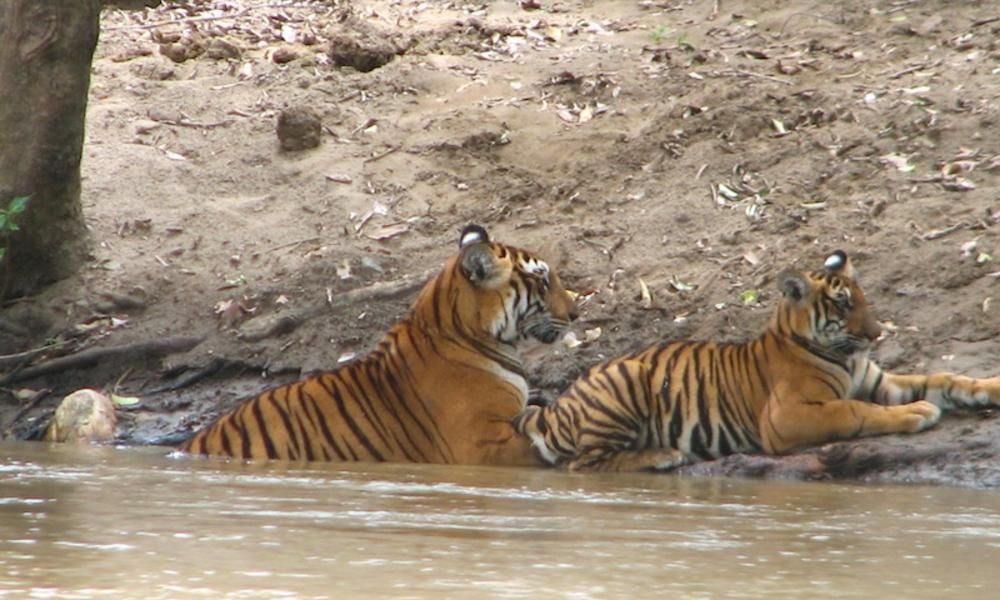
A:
<point x="137" y="523"/>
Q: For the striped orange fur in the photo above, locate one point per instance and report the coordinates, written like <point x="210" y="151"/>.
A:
<point x="441" y="386"/>
<point x="806" y="380"/>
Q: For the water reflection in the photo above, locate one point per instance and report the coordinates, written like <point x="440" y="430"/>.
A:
<point x="134" y="523"/>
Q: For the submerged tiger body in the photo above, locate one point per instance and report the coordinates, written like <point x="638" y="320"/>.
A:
<point x="806" y="380"/>
<point x="440" y="387"/>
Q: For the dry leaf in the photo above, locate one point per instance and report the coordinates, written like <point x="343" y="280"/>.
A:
<point x="344" y="271"/>
<point x="958" y="184"/>
<point x="571" y="340"/>
<point x="173" y="155"/>
<point x="901" y="163"/>
<point x="386" y="232"/>
<point x="24" y="394"/>
<point x="566" y="115"/>
<point x="645" y="297"/>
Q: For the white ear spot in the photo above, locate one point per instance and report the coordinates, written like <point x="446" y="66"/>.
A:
<point x="471" y="238"/>
<point x="835" y="261"/>
<point x="473" y="234"/>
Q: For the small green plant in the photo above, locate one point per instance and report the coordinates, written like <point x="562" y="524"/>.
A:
<point x="8" y="220"/>
<point x="658" y="34"/>
<point x="749" y="297"/>
<point x="684" y="44"/>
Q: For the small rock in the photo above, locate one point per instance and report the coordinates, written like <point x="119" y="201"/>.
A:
<point x="175" y="52"/>
<point x="183" y="50"/>
<point x="221" y="48"/>
<point x="363" y="55"/>
<point x="299" y="129"/>
<point x="83" y="416"/>
<point x="144" y="126"/>
<point x="284" y="55"/>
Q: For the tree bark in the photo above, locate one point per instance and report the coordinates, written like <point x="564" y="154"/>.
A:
<point x="46" y="48"/>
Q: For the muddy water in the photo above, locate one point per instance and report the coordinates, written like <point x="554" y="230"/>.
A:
<point x="127" y="523"/>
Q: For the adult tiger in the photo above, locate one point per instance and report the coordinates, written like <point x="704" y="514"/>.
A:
<point x="806" y="380"/>
<point x="440" y="387"/>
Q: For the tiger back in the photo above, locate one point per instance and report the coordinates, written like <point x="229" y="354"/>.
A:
<point x="806" y="380"/>
<point x="440" y="387"/>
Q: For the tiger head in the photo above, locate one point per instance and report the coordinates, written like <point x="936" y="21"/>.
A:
<point x="507" y="293"/>
<point x="827" y="308"/>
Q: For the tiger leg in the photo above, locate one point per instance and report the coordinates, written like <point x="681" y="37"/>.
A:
<point x="610" y="459"/>
<point x="795" y="425"/>
<point x="946" y="390"/>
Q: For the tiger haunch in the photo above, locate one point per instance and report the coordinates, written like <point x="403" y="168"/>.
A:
<point x="806" y="380"/>
<point x="440" y="387"/>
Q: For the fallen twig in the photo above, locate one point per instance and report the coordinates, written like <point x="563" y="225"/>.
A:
<point x="987" y="21"/>
<point x="92" y="356"/>
<point x="308" y="240"/>
<point x="258" y="329"/>
<point x="191" y="377"/>
<point x="382" y="155"/>
<point x="715" y="10"/>
<point x="184" y="20"/>
<point x="911" y="69"/>
<point x="195" y="124"/>
<point x="940" y="233"/>
<point x="762" y="76"/>
<point x="15" y="359"/>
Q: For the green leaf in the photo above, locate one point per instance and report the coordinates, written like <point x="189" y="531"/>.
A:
<point x="17" y="205"/>
<point x="124" y="400"/>
<point x="3" y="221"/>
<point x="749" y="296"/>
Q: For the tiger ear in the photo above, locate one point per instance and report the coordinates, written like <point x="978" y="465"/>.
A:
<point x="473" y="234"/>
<point x="479" y="265"/>
<point x="794" y="285"/>
<point x="838" y="262"/>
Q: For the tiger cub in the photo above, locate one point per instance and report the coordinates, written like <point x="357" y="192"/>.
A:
<point x="807" y="380"/>
<point x="441" y="386"/>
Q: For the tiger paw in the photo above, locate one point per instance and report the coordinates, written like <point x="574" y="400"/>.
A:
<point x="920" y="415"/>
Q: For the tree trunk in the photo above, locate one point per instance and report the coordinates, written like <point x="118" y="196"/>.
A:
<point x="46" y="47"/>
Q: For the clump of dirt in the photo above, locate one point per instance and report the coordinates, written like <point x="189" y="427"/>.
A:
<point x="363" y="45"/>
<point x="299" y="128"/>
<point x="669" y="158"/>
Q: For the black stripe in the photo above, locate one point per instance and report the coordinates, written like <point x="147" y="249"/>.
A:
<point x="704" y="401"/>
<point x="394" y="386"/>
<point x="349" y="375"/>
<point x="280" y="407"/>
<point x="434" y="434"/>
<point x="226" y="447"/>
<point x="308" y="401"/>
<point x="632" y="395"/>
<point x="352" y="425"/>
<point x="265" y="435"/>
